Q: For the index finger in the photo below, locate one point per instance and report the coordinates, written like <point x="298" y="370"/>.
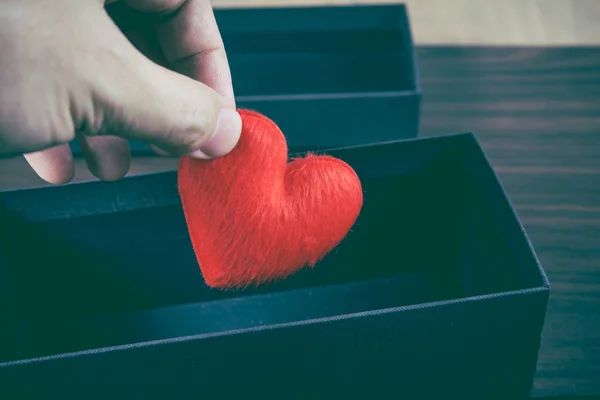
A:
<point x="191" y="42"/>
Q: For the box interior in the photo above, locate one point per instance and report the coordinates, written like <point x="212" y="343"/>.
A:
<point x="435" y="226"/>
<point x="370" y="50"/>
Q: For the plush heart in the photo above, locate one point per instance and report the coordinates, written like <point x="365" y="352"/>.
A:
<point x="253" y="217"/>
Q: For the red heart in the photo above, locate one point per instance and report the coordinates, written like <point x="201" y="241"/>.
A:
<point x="253" y="217"/>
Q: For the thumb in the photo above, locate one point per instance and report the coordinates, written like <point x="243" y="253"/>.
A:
<point x="145" y="101"/>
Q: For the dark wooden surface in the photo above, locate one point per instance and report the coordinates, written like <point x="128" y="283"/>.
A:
<point x="537" y="114"/>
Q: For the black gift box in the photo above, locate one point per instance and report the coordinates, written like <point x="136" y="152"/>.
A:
<point x="329" y="76"/>
<point x="435" y="293"/>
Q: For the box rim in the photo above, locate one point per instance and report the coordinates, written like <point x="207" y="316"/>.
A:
<point x="313" y="321"/>
<point x="328" y="96"/>
<point x="290" y="154"/>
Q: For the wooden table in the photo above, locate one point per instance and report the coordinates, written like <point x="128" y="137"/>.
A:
<point x="537" y="114"/>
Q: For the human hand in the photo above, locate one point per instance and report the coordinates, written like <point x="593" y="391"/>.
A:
<point x="67" y="71"/>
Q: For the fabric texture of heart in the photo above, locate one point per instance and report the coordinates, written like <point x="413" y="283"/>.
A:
<point x="254" y="217"/>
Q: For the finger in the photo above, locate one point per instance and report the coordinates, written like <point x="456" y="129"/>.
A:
<point x="134" y="98"/>
<point x="191" y="41"/>
<point x="54" y="165"/>
<point x="107" y="157"/>
<point x="169" y="110"/>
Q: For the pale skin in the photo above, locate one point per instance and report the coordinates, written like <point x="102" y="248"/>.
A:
<point x="68" y="72"/>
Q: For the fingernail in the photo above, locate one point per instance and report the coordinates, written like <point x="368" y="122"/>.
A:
<point x="225" y="137"/>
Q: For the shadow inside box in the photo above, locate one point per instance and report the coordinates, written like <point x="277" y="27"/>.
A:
<point x="426" y="233"/>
